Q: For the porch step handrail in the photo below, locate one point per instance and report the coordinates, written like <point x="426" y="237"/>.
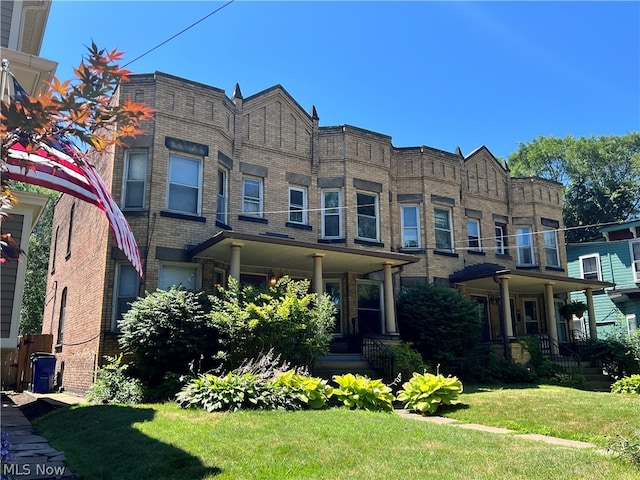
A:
<point x="379" y="355"/>
<point x="566" y="357"/>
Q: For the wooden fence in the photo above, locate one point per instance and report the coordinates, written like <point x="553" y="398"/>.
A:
<point x="16" y="366"/>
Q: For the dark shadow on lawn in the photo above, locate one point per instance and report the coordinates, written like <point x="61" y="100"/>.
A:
<point x="101" y="443"/>
<point x="490" y="388"/>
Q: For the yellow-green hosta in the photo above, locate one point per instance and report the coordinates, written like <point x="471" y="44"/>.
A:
<point x="425" y="392"/>
<point x="359" y="391"/>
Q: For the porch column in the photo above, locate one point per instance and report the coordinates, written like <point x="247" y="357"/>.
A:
<point x="317" y="274"/>
<point x="591" y="311"/>
<point x="551" y="317"/>
<point x="506" y="307"/>
<point x="389" y="306"/>
<point x="234" y="269"/>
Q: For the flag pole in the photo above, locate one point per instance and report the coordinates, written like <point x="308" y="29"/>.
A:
<point x="3" y="81"/>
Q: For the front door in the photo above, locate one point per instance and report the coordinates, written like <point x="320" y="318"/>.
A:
<point x="334" y="290"/>
<point x="483" y="302"/>
<point x="370" y="306"/>
<point x="531" y="316"/>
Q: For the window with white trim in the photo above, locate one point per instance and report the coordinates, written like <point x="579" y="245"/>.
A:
<point x="590" y="267"/>
<point x="252" y="200"/>
<point x="551" y="252"/>
<point x="443" y="229"/>
<point x="126" y="291"/>
<point x="331" y="214"/>
<point x="298" y="205"/>
<point x="635" y="259"/>
<point x="135" y="179"/>
<point x="222" y="198"/>
<point x="185" y="184"/>
<point x="524" y="242"/>
<point x="410" y="219"/>
<point x="367" y="206"/>
<point x="186" y="276"/>
<point x="500" y="240"/>
<point x="473" y="232"/>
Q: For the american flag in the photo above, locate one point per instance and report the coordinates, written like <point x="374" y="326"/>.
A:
<point x="56" y="166"/>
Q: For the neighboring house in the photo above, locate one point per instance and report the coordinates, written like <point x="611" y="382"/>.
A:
<point x="22" y="27"/>
<point x="615" y="259"/>
<point x="254" y="188"/>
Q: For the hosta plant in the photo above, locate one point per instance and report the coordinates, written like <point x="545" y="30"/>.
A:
<point x="361" y="392"/>
<point x="426" y="392"/>
<point x="306" y="391"/>
<point x="630" y="384"/>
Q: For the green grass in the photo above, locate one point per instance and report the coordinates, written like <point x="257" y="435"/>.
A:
<point x="551" y="410"/>
<point x="164" y="442"/>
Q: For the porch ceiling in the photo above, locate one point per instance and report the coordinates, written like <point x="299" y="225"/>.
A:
<point x="288" y="254"/>
<point x="529" y="283"/>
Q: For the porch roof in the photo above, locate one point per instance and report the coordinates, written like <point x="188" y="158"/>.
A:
<point x="486" y="277"/>
<point x="285" y="253"/>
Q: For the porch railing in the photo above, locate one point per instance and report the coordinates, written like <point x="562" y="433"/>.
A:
<point x="559" y="353"/>
<point x="379" y="355"/>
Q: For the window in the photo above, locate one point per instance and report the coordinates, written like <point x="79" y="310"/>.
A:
<point x="55" y="250"/>
<point x="252" y="197"/>
<point x="222" y="199"/>
<point x="185" y="276"/>
<point x="635" y="258"/>
<point x="500" y="240"/>
<point x="367" y="205"/>
<point x="443" y="230"/>
<point x="184" y="184"/>
<point x="71" y="215"/>
<point x="135" y="178"/>
<point x="331" y="214"/>
<point x="63" y="314"/>
<point x="127" y="286"/>
<point x="410" y="226"/>
<point x="551" y="248"/>
<point x="524" y="241"/>
<point x="473" y="231"/>
<point x="590" y="267"/>
<point x="297" y="205"/>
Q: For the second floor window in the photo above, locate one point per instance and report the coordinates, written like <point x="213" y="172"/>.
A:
<point x="635" y="258"/>
<point x="184" y="184"/>
<point x="410" y="226"/>
<point x="135" y="179"/>
<point x="367" y="215"/>
<point x="222" y="198"/>
<point x="331" y="214"/>
<point x="252" y="197"/>
<point x="443" y="230"/>
<point x="297" y="205"/>
<point x="551" y="248"/>
<point x="500" y="240"/>
<point x="590" y="267"/>
<point x="473" y="231"/>
<point x="524" y="240"/>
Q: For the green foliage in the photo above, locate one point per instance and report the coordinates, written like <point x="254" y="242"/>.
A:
<point x="627" y="445"/>
<point x="630" y="384"/>
<point x="308" y="392"/>
<point x="113" y="386"/>
<point x="168" y="331"/>
<point x="361" y="392"/>
<point x="407" y="360"/>
<point x="571" y="380"/>
<point x="442" y="324"/>
<point x="426" y="392"/>
<point x="287" y="318"/>
<point x="618" y="355"/>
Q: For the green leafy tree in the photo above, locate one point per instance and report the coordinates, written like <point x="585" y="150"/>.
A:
<point x="441" y="324"/>
<point x="601" y="177"/>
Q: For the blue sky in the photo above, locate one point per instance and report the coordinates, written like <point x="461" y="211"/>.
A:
<point x="441" y="74"/>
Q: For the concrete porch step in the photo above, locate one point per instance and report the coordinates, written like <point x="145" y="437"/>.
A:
<point x="340" y="363"/>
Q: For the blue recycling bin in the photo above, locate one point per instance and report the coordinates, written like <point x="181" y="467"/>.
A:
<point x="43" y="370"/>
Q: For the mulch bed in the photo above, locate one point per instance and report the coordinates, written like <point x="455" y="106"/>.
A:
<point x="31" y="407"/>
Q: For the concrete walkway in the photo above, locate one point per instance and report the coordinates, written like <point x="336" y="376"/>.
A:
<point x="33" y="457"/>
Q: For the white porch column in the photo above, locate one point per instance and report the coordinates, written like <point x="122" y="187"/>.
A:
<point x="389" y="305"/>
<point x="591" y="311"/>
<point x="506" y="307"/>
<point x="551" y="317"/>
<point x="317" y="274"/>
<point x="234" y="269"/>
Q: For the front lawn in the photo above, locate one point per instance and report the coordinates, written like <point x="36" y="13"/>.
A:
<point x="165" y="442"/>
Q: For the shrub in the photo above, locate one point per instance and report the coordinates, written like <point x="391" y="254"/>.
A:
<point x="442" y="324"/>
<point x="287" y="318"/>
<point x="426" y="392"/>
<point x="168" y="332"/>
<point x="630" y="384"/>
<point x="306" y="391"/>
<point x="407" y="360"/>
<point x="113" y="386"/>
<point x="361" y="392"/>
<point x="618" y="355"/>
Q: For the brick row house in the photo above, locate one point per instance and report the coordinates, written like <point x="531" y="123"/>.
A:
<point x="254" y="188"/>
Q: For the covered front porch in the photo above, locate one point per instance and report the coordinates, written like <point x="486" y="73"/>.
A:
<point x="361" y="282"/>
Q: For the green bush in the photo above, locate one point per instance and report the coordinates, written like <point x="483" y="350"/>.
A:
<point x="168" y="332"/>
<point x="361" y="392"/>
<point x="113" y="386"/>
<point x="407" y="360"/>
<point x="426" y="392"/>
<point x="306" y="391"/>
<point x="618" y="355"/>
<point x="630" y="384"/>
<point x="287" y="318"/>
<point x="442" y="324"/>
